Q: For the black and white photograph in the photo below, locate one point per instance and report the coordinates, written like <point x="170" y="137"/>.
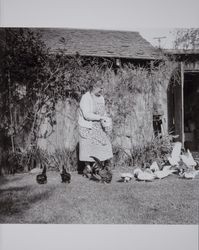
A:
<point x="99" y="120"/>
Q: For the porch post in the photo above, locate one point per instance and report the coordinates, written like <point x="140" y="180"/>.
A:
<point x="182" y="101"/>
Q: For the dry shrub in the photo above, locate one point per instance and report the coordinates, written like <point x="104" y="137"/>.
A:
<point x="130" y="95"/>
<point x="143" y="155"/>
<point x="58" y="158"/>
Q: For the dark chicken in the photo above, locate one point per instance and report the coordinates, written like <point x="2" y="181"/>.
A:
<point x="42" y="178"/>
<point x="99" y="168"/>
<point x="65" y="176"/>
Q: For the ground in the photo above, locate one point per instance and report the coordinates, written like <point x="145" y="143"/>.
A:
<point x="169" y="201"/>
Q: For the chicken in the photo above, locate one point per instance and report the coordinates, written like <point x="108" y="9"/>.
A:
<point x="36" y="170"/>
<point x="167" y="167"/>
<point x="197" y="165"/>
<point x="154" y="167"/>
<point x="188" y="159"/>
<point x="105" y="175"/>
<point x="101" y="170"/>
<point x="65" y="176"/>
<point x="176" y="151"/>
<point x="172" y="161"/>
<point x="126" y="177"/>
<point x="87" y="172"/>
<point x="191" y="174"/>
<point x="146" y="175"/>
<point x="42" y="178"/>
<point x="164" y="173"/>
<point x="175" y="155"/>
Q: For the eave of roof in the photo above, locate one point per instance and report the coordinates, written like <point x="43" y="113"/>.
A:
<point x="99" y="43"/>
<point x="181" y="52"/>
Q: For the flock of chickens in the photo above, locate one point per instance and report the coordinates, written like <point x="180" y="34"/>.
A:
<point x="182" y="164"/>
<point x="42" y="178"/>
<point x="99" y="171"/>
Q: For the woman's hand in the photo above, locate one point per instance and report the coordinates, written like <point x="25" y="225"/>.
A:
<point x="103" y="118"/>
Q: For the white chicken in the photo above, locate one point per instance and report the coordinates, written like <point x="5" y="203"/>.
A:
<point x="36" y="170"/>
<point x="172" y="161"/>
<point x="175" y="155"/>
<point x="154" y="167"/>
<point x="188" y="159"/>
<point x="146" y="175"/>
<point x="126" y="177"/>
<point x="190" y="174"/>
<point x="167" y="167"/>
<point x="163" y="173"/>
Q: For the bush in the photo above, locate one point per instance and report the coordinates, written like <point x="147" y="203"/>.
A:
<point x="59" y="157"/>
<point x="63" y="157"/>
<point x="143" y="155"/>
<point x="130" y="95"/>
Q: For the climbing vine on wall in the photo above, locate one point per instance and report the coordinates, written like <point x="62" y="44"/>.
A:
<point x="33" y="81"/>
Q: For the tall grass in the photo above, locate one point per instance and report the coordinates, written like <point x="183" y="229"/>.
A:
<point x="131" y="95"/>
<point x="143" y="155"/>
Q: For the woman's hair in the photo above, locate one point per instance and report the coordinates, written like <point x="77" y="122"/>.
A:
<point x="94" y="83"/>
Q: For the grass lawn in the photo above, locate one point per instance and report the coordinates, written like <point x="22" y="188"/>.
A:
<point x="169" y="201"/>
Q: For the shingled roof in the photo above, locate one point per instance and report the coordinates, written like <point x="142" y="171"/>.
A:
<point x="99" y="43"/>
<point x="181" y="51"/>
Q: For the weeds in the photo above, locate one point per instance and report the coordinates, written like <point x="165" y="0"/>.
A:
<point x="63" y="157"/>
<point x="143" y="155"/>
<point x="130" y="96"/>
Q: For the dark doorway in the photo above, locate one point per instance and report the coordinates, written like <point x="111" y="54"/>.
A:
<point x="175" y="108"/>
<point x="191" y="110"/>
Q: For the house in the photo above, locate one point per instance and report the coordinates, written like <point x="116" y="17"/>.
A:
<point x="117" y="47"/>
<point x="183" y="98"/>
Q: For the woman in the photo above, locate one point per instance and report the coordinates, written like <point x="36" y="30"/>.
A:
<point x="93" y="140"/>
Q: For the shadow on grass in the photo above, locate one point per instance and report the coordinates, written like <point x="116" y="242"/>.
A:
<point x="14" y="201"/>
<point x="4" y="179"/>
<point x="120" y="180"/>
<point x="94" y="178"/>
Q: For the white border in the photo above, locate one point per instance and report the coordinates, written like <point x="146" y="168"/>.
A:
<point x="147" y="14"/>
<point x="96" y="237"/>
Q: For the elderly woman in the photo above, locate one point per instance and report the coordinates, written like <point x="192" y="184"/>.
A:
<point x="93" y="140"/>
